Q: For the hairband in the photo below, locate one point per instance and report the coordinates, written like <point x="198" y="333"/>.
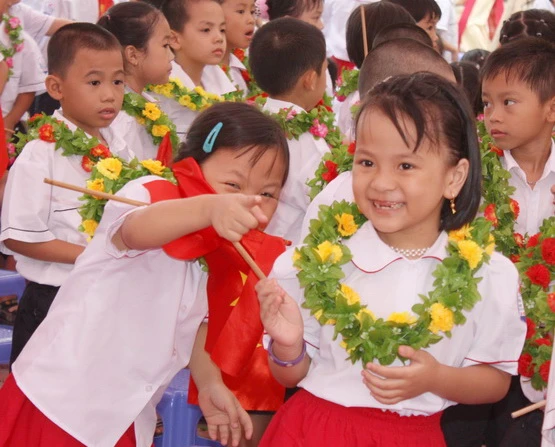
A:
<point x="211" y="138"/>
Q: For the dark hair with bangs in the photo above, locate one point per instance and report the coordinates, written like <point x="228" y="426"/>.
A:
<point x="532" y="22"/>
<point x="69" y="39"/>
<point x="176" y="11"/>
<point x="131" y="22"/>
<point x="282" y="51"/>
<point x="420" y="9"/>
<point x="291" y="8"/>
<point x="378" y="16"/>
<point x="244" y="128"/>
<point x="440" y="112"/>
<point x="530" y="60"/>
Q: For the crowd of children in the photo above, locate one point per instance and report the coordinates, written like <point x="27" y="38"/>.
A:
<point x="401" y="234"/>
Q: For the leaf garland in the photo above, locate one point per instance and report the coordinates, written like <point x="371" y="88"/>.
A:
<point x="347" y="83"/>
<point x="363" y="336"/>
<point x="13" y="28"/>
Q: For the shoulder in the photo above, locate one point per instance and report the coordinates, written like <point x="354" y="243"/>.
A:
<point x="500" y="272"/>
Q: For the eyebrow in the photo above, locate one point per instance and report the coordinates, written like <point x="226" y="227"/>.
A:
<point x="206" y="22"/>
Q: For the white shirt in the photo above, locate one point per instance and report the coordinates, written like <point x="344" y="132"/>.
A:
<point x="544" y="4"/>
<point x="493" y="334"/>
<point x="448" y="24"/>
<point x="121" y="326"/>
<point x="77" y="10"/>
<point x="344" y="115"/>
<point x="304" y="157"/>
<point x="236" y="68"/>
<point x="36" y="212"/>
<point x="535" y="204"/>
<point x="35" y="23"/>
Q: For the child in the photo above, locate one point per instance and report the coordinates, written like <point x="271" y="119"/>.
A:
<point x="294" y="78"/>
<point x="124" y="322"/>
<point x="144" y="35"/>
<point x="518" y="92"/>
<point x="198" y="42"/>
<point x="402" y="31"/>
<point x="416" y="176"/>
<point x="532" y="22"/>
<point x="39" y="223"/>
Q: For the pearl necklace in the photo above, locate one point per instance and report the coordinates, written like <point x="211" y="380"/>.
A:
<point x="410" y="252"/>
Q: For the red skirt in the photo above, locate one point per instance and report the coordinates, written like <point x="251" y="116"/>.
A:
<point x="308" y="421"/>
<point x="23" y="424"/>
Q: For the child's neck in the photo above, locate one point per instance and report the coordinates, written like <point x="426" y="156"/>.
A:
<point x="532" y="159"/>
<point x="135" y="84"/>
<point x="227" y="56"/>
<point x="193" y="69"/>
<point x="92" y="131"/>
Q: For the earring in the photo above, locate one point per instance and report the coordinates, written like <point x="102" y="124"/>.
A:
<point x="452" y="205"/>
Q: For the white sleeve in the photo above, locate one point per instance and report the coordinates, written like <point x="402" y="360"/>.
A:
<point x="35" y="23"/>
<point x="34" y="69"/>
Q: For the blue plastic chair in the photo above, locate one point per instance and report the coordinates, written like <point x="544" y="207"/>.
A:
<point x="180" y="418"/>
<point x="11" y="283"/>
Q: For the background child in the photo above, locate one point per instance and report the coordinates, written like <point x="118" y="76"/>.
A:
<point x="294" y="78"/>
<point x="532" y="22"/>
<point x="402" y="31"/>
<point x="404" y="237"/>
<point x="144" y="35"/>
<point x="85" y="352"/>
<point x="39" y="223"/>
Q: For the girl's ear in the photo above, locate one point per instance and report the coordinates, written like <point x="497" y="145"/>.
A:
<point x="131" y="55"/>
<point x="175" y="41"/>
<point x="456" y="178"/>
<point x="54" y="86"/>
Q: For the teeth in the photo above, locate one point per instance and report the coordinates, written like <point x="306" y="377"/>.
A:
<point x="388" y="205"/>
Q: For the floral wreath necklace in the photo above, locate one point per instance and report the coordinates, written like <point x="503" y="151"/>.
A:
<point x="12" y="27"/>
<point x="364" y="336"/>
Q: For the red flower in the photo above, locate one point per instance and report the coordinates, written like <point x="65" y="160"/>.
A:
<point x="246" y="76"/>
<point x="515" y="258"/>
<point x="515" y="207"/>
<point x="544" y="370"/>
<point x="322" y="103"/>
<point x="496" y="150"/>
<point x="533" y="240"/>
<point x="525" y="367"/>
<point x="543" y="342"/>
<point x="239" y="53"/>
<point x="46" y="133"/>
<point x="35" y="117"/>
<point x="519" y="239"/>
<point x="100" y="151"/>
<point x="551" y="301"/>
<point x="87" y="164"/>
<point x="530" y="328"/>
<point x="548" y="250"/>
<point x="489" y="214"/>
<point x="539" y="274"/>
<point x="352" y="147"/>
<point x="331" y="171"/>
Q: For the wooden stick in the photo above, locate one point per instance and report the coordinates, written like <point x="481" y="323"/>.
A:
<point x="104" y="195"/>
<point x="364" y="34"/>
<point x="528" y="409"/>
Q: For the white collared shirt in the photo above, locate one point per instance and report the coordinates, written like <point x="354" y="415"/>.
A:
<point x="387" y="282"/>
<point x="36" y="212"/>
<point x="304" y="157"/>
<point x="344" y="115"/>
<point x="535" y="204"/>
<point x="35" y="23"/>
<point x="236" y="69"/>
<point x="76" y="10"/>
<point x="120" y="328"/>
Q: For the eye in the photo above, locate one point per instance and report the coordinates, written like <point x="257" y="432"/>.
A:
<point x="268" y="195"/>
<point x="167" y="45"/>
<point x="119" y="82"/>
<point x="233" y="185"/>
<point x="366" y="163"/>
<point x="406" y="166"/>
<point x="94" y="83"/>
<point x="241" y="11"/>
<point x="486" y="104"/>
<point x="205" y="30"/>
<point x="509" y="102"/>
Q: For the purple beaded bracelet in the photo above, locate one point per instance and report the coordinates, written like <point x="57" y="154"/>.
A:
<point x="289" y="363"/>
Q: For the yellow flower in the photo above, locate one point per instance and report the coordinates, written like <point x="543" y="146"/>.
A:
<point x="185" y="101"/>
<point x="402" y="318"/>
<point x="109" y="167"/>
<point x="160" y="130"/>
<point x="151" y="111"/>
<point x="329" y="252"/>
<point x="96" y="185"/>
<point x="461" y="234"/>
<point x="318" y="314"/>
<point x="177" y="82"/>
<point x="200" y="90"/>
<point x="365" y="311"/>
<point x="296" y="256"/>
<point x="154" y="166"/>
<point x="214" y="97"/>
<point x="89" y="226"/>
<point x="166" y="90"/>
<point x="204" y="104"/>
<point x="141" y="121"/>
<point x="346" y="224"/>
<point x="471" y="252"/>
<point x="350" y="294"/>
<point x="491" y="245"/>
<point x="442" y="318"/>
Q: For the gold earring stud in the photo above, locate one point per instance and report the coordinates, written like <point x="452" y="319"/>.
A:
<point x="452" y="205"/>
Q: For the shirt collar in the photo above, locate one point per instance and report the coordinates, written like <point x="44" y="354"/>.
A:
<point x="275" y="105"/>
<point x="510" y="163"/>
<point x="235" y="62"/>
<point x="371" y="254"/>
<point x="179" y="73"/>
<point x="144" y="94"/>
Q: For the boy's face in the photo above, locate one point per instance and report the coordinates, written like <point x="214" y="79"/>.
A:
<point x="239" y="20"/>
<point x="513" y="114"/>
<point x="428" y="24"/>
<point x="202" y="40"/>
<point x="91" y="91"/>
<point x="313" y="16"/>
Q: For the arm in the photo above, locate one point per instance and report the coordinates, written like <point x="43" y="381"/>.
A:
<point x="50" y="251"/>
<point x="20" y="106"/>
<point x="4" y="70"/>
<point x="220" y="407"/>
<point x="56" y="25"/>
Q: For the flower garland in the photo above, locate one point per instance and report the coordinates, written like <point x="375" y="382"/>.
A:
<point x="149" y="115"/>
<point x="347" y="84"/>
<point x="13" y="28"/>
<point x="252" y="86"/>
<point x="364" y="336"/>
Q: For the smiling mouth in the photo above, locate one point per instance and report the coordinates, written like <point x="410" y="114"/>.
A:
<point x="387" y="205"/>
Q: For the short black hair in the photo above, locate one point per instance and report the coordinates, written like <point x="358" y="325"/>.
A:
<point x="420" y="9"/>
<point x="69" y="39"/>
<point x="468" y="77"/>
<point x="244" y="127"/>
<point x="402" y="31"/>
<point x="176" y="11"/>
<point x="440" y="112"/>
<point x="530" y="60"/>
<point x="131" y="22"/>
<point x="477" y="56"/>
<point x="378" y="15"/>
<point x="282" y="51"/>
<point x="396" y="57"/>
<point x="532" y="22"/>
<point x="290" y="8"/>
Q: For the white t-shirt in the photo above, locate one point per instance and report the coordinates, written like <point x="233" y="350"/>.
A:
<point x="344" y="115"/>
<point x="304" y="157"/>
<point x="36" y="212"/>
<point x="387" y="282"/>
<point x="120" y="328"/>
<point x="448" y="25"/>
<point x="35" y="23"/>
<point x="544" y="4"/>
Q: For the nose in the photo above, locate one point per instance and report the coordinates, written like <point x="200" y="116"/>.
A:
<point x="109" y="92"/>
<point x="492" y="114"/>
<point x="382" y="180"/>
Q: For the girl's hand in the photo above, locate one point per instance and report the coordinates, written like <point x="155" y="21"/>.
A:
<point x="279" y="313"/>
<point x="233" y="215"/>
<point x="392" y="384"/>
<point x="224" y="414"/>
